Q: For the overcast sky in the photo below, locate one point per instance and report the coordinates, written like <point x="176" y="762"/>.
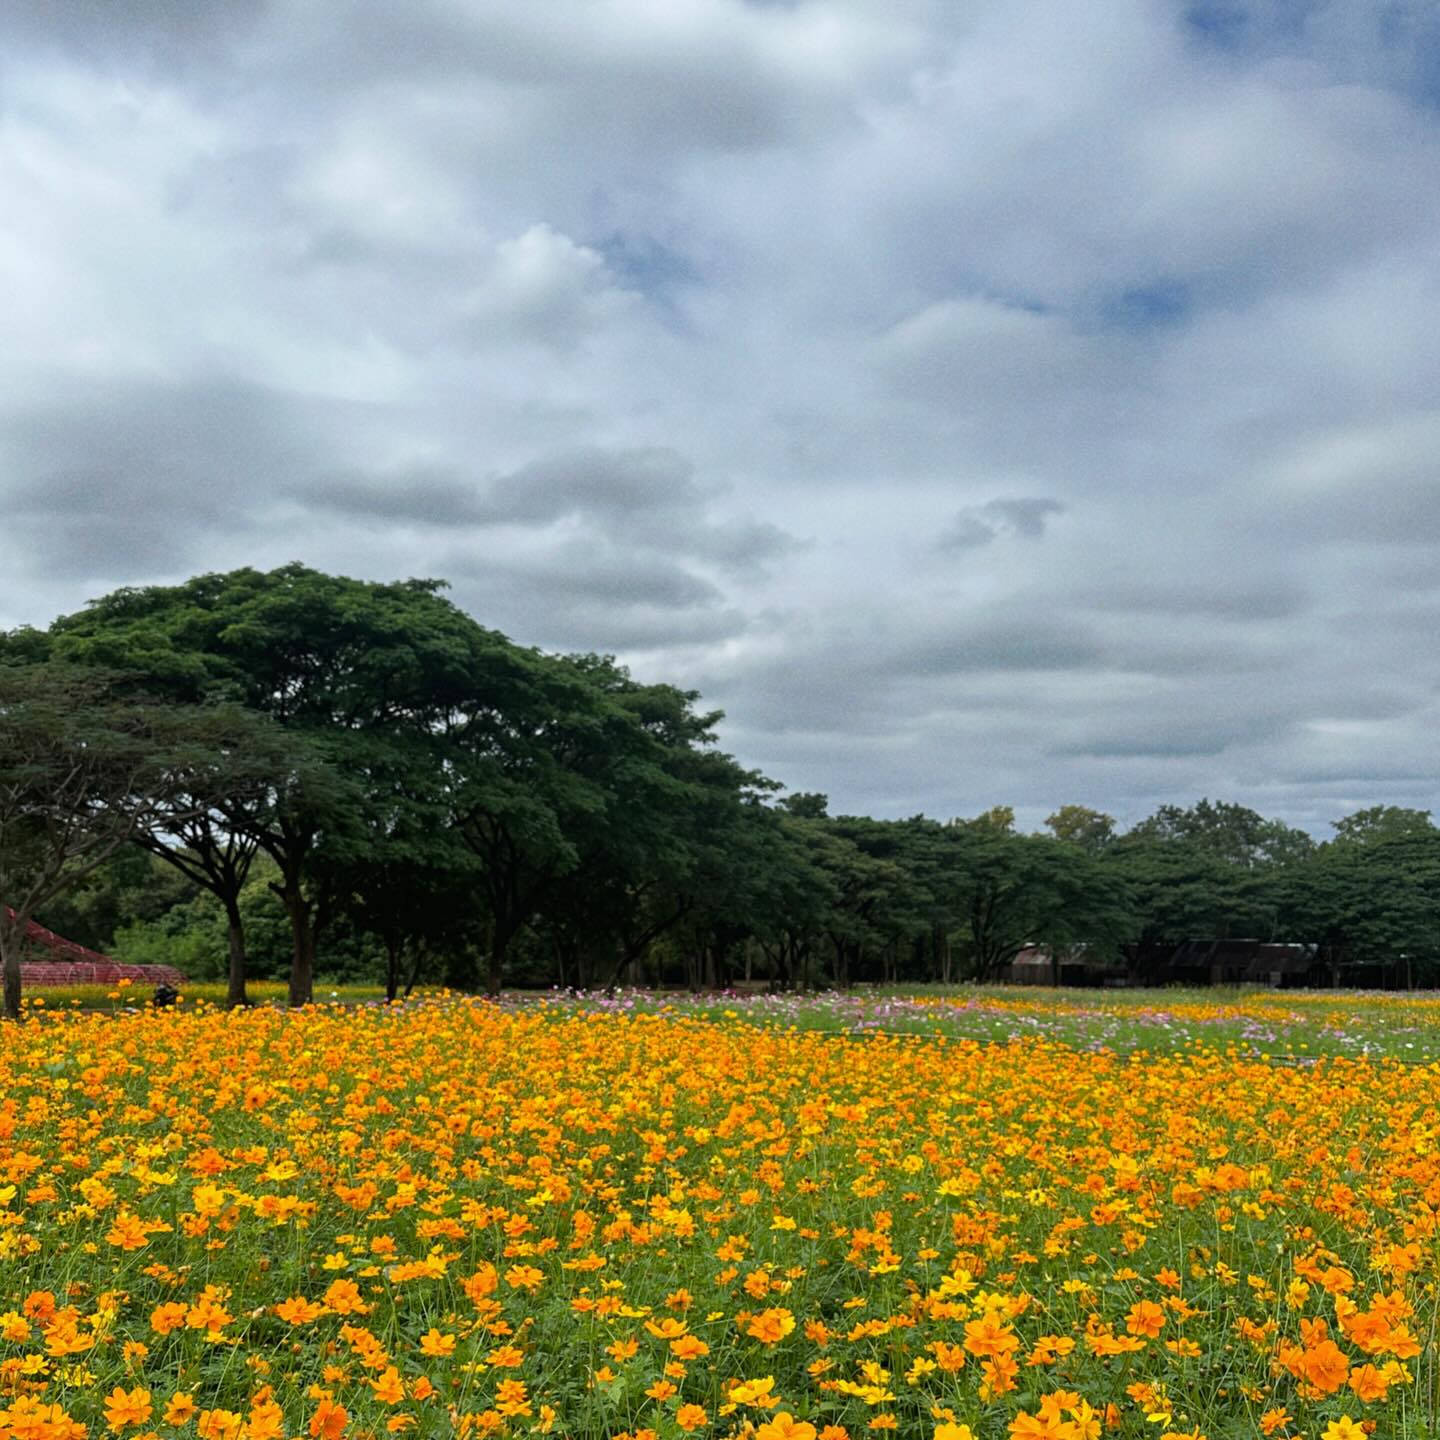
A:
<point x="984" y="401"/>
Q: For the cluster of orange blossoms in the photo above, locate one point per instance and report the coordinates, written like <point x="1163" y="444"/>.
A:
<point x="454" y="1219"/>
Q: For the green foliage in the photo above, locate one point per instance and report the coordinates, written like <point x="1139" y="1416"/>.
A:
<point x="193" y="944"/>
<point x="1231" y="833"/>
<point x="358" y="780"/>
<point x="131" y="888"/>
<point x="1382" y="822"/>
<point x="1378" y="900"/>
<point x="1018" y="890"/>
<point x="1079" y="825"/>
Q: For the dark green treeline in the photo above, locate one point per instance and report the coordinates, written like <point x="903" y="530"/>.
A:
<point x="291" y="772"/>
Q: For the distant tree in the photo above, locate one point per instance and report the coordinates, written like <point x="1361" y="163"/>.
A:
<point x="805" y="805"/>
<point x="823" y="888"/>
<point x="1181" y="890"/>
<point x="1233" y="833"/>
<point x="1379" y="823"/>
<point x="1079" y="825"/>
<point x="758" y="883"/>
<point x="998" y="818"/>
<point x="545" y="773"/>
<point x="876" y="901"/>
<point x="617" y="825"/>
<point x="417" y="898"/>
<point x="1011" y="891"/>
<point x="132" y="887"/>
<point x="1375" y="902"/>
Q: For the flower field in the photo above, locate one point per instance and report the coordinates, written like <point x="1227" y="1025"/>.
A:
<point x="456" y="1218"/>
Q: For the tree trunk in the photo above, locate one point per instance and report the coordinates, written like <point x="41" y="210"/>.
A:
<point x="392" y="968"/>
<point x="495" y="968"/>
<point x="418" y="956"/>
<point x="10" y="949"/>
<point x="302" y="959"/>
<point x="235" y="995"/>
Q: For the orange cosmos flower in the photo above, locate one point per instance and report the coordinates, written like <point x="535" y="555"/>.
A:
<point x="1325" y="1366"/>
<point x="1369" y="1384"/>
<point x="299" y="1311"/>
<point x="989" y="1336"/>
<point x="1045" y="1426"/>
<point x="389" y="1388"/>
<point x="265" y="1422"/>
<point x="124" y="1408"/>
<point x="343" y="1297"/>
<point x="770" y="1326"/>
<point x="329" y="1421"/>
<point x="1145" y="1318"/>
<point x="128" y="1232"/>
<point x="219" y="1425"/>
<point x="784" y="1426"/>
<point x="168" y="1317"/>
<point x="179" y="1408"/>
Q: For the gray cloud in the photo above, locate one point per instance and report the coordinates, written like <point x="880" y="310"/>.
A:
<point x="1008" y="402"/>
<point x="165" y="30"/>
<point x="980" y="524"/>
<point x="1192" y="598"/>
<point x="130" y="476"/>
<point x="599" y="486"/>
<point x="586" y="595"/>
<point x="642" y="500"/>
<point x="1204" y="737"/>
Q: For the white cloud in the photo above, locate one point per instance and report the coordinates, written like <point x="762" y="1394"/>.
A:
<point x="546" y="289"/>
<point x="696" y="328"/>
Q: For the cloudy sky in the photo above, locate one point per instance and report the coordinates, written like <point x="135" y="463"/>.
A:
<point x="1007" y="401"/>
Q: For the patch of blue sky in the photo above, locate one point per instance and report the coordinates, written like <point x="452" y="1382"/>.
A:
<point x="1230" y="25"/>
<point x="1158" y="305"/>
<point x="650" y="268"/>
<point x="1394" y="44"/>
<point x="1410" y="36"/>
<point x="645" y="264"/>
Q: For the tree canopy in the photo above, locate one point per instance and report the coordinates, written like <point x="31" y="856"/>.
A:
<point x="364" y="776"/>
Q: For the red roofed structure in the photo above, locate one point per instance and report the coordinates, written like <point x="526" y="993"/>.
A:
<point x="53" y="960"/>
